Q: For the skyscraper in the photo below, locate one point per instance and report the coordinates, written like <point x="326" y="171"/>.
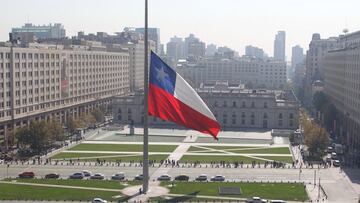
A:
<point x="175" y="48"/>
<point x="279" y="46"/>
<point x="297" y="57"/>
<point x="210" y="50"/>
<point x="154" y="35"/>
<point x="254" y="52"/>
<point x="193" y="47"/>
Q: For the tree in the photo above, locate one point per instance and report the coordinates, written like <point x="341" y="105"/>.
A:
<point x="36" y="136"/>
<point x="316" y="138"/>
<point x="56" y="130"/>
<point x="99" y="115"/>
<point x="72" y="124"/>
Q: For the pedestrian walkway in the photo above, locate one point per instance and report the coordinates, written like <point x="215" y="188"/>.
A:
<point x="154" y="189"/>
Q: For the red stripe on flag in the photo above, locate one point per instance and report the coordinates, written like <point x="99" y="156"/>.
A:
<point x="165" y="106"/>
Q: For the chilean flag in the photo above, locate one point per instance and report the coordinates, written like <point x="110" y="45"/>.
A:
<point x="171" y="98"/>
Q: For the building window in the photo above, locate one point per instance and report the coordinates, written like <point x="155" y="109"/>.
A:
<point x="225" y="104"/>
<point x="265" y="105"/>
<point x="291" y="116"/>
<point x="252" y="104"/>
<point x="252" y="122"/>
<point x="243" y="104"/>
<point x="265" y="115"/>
<point x="243" y="121"/>
<point x="119" y="117"/>
<point x="119" y="111"/>
<point x="234" y="104"/>
<point x="280" y="116"/>
<point x="243" y="115"/>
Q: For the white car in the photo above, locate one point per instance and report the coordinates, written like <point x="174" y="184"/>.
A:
<point x="86" y="173"/>
<point x="164" y="177"/>
<point x="99" y="200"/>
<point x="257" y="200"/>
<point x="218" y="178"/>
<point x="118" y="176"/>
<point x="98" y="176"/>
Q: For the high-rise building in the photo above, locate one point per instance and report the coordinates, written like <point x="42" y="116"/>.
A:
<point x="341" y="68"/>
<point x="279" y="46"/>
<point x="175" y="49"/>
<point x="51" y="31"/>
<point x="297" y="57"/>
<point x="153" y="34"/>
<point x="254" y="52"/>
<point x="255" y="73"/>
<point x="314" y="68"/>
<point x="193" y="47"/>
<point x="46" y="81"/>
<point x="210" y="50"/>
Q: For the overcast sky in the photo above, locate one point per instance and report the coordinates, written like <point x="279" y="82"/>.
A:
<point x="232" y="23"/>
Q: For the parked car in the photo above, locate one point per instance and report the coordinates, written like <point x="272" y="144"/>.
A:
<point x="86" y="173"/>
<point x="28" y="174"/>
<point x="277" y="201"/>
<point x="139" y="177"/>
<point x="52" y="176"/>
<point x="256" y="200"/>
<point x="336" y="163"/>
<point x="118" y="176"/>
<point x="164" y="177"/>
<point x="97" y="176"/>
<point x="99" y="200"/>
<point x="218" y="178"/>
<point x="182" y="178"/>
<point x="202" y="177"/>
<point x="78" y="175"/>
<point x="334" y="155"/>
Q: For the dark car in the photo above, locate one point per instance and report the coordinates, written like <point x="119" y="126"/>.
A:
<point x="27" y="175"/>
<point x="52" y="176"/>
<point x="182" y="178"/>
<point x="202" y="177"/>
<point x="77" y="176"/>
<point x="139" y="177"/>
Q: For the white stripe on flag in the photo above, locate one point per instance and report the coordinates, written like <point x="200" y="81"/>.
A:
<point x="185" y="93"/>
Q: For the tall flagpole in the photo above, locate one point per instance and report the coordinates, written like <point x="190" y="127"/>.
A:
<point x="146" y="92"/>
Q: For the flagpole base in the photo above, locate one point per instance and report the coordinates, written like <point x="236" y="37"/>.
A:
<point x="154" y="190"/>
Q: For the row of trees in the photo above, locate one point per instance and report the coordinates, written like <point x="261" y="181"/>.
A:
<point x="315" y="136"/>
<point x="39" y="136"/>
<point x="86" y="120"/>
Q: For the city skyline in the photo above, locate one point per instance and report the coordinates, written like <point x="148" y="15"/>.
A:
<point x="299" y="19"/>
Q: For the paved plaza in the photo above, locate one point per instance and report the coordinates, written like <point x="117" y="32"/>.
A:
<point x="174" y="145"/>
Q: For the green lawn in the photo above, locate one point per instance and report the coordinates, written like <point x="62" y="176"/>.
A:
<point x="285" y="191"/>
<point x="194" y="148"/>
<point x="272" y="150"/>
<point x="123" y="147"/>
<point x="108" y="184"/>
<point x="209" y="158"/>
<point x="25" y="192"/>
<point x="239" y="158"/>
<point x="243" y="150"/>
<point x="102" y="156"/>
